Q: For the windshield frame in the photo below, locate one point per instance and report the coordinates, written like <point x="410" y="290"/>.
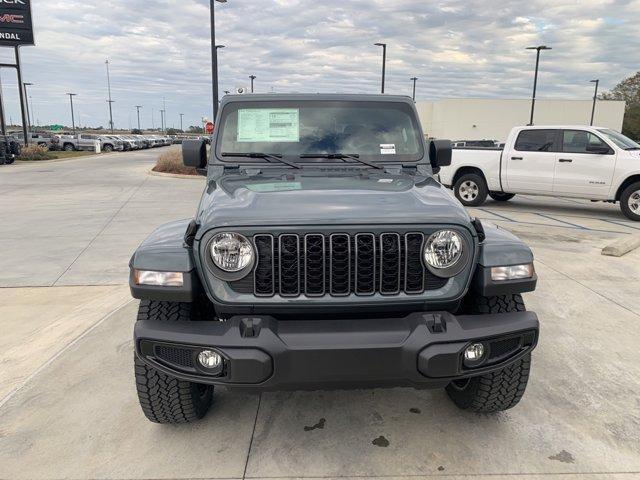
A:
<point x="234" y="104"/>
<point x="616" y="137"/>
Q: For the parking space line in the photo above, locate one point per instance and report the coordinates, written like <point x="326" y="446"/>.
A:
<point x="562" y="221"/>
<point x="497" y="215"/>
<point x="618" y="223"/>
<point x="560" y="226"/>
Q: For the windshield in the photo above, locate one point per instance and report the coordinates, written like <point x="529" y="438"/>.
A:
<point x="620" y="140"/>
<point x="374" y="130"/>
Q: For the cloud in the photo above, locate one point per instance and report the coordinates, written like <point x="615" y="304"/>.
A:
<point x="458" y="48"/>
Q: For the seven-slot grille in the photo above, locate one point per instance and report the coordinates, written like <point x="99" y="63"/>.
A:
<point x="339" y="264"/>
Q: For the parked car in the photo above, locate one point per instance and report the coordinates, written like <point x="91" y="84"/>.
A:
<point x="324" y="254"/>
<point x="9" y="149"/>
<point x="564" y="161"/>
<point x="41" y="139"/>
<point x="78" y="142"/>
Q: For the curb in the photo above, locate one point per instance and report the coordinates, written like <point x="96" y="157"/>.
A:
<point x="622" y="246"/>
<point x="176" y="175"/>
<point x="56" y="160"/>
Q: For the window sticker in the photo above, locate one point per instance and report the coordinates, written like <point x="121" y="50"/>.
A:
<point x="387" y="149"/>
<point x="269" y="125"/>
<point x="275" y="187"/>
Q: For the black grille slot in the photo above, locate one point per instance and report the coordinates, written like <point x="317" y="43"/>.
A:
<point x="182" y="357"/>
<point x="502" y="348"/>
<point x="314" y="257"/>
<point x="365" y="264"/>
<point x="264" y="275"/>
<point x="390" y="262"/>
<point x="340" y="264"/>
<point x="414" y="270"/>
<point x="289" y="265"/>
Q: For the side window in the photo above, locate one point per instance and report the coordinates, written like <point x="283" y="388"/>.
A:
<point x="536" y="141"/>
<point x="579" y="141"/>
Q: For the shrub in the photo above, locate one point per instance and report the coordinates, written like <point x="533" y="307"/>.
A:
<point x="171" y="162"/>
<point x="35" y="152"/>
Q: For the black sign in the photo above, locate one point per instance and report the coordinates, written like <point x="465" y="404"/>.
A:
<point x="16" y="27"/>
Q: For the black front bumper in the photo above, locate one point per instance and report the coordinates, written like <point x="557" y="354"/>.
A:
<point x="260" y="352"/>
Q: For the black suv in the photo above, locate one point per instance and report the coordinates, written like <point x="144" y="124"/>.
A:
<point x="324" y="254"/>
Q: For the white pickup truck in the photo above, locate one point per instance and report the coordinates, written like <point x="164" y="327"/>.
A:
<point x="564" y="161"/>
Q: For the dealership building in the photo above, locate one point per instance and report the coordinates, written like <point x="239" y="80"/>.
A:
<point x="492" y="119"/>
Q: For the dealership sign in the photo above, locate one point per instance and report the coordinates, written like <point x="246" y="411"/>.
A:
<point x="16" y="27"/>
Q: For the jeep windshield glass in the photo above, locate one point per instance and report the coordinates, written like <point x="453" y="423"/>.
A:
<point x="321" y="131"/>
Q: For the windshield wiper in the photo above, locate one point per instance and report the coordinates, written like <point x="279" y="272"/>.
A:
<point x="342" y="156"/>
<point x="267" y="156"/>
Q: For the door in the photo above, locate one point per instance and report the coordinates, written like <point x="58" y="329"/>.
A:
<point x="585" y="166"/>
<point x="529" y="165"/>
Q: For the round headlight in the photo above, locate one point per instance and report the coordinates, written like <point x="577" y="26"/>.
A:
<point x="443" y="249"/>
<point x="231" y="252"/>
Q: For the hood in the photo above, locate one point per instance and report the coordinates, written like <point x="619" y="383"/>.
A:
<point x="328" y="199"/>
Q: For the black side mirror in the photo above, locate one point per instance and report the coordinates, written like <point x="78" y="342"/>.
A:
<point x="194" y="154"/>
<point x="439" y="154"/>
<point x="598" y="149"/>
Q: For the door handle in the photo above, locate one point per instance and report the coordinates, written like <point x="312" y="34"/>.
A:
<point x="516" y="158"/>
<point x="565" y="160"/>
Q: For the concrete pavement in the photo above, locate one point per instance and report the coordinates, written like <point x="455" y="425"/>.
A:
<point x="68" y="407"/>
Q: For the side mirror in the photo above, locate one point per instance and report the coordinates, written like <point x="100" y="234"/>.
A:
<point x="194" y="154"/>
<point x="598" y="149"/>
<point x="439" y="154"/>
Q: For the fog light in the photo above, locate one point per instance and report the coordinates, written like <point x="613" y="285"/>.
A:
<point x="209" y="359"/>
<point x="474" y="352"/>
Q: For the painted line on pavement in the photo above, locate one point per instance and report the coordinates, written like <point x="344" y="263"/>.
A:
<point x="497" y="215"/>
<point x="618" y="223"/>
<point x="574" y="225"/>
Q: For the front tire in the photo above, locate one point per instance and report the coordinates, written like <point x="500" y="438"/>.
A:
<point x="500" y="390"/>
<point x="163" y="398"/>
<point x="501" y="196"/>
<point x="68" y="147"/>
<point x="630" y="202"/>
<point x="471" y="189"/>
<point x="107" y="148"/>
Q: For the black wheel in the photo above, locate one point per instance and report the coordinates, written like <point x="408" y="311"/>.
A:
<point x="68" y="147"/>
<point x="107" y="148"/>
<point x="471" y="189"/>
<point x="163" y="398"/>
<point x="501" y="196"/>
<point x="630" y="202"/>
<point x="499" y="390"/>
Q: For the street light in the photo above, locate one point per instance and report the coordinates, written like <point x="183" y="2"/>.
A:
<point x="214" y="58"/>
<point x="415" y="79"/>
<point x="162" y="120"/>
<point x="73" y="118"/>
<point x="181" y="117"/>
<point x="25" y="85"/>
<point x="595" y="99"/>
<point x="535" y="78"/>
<point x="138" y="107"/>
<point x="252" y="77"/>
<point x="384" y="61"/>
<point x="110" y="102"/>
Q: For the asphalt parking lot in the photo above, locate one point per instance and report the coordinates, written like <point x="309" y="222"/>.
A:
<point x="68" y="407"/>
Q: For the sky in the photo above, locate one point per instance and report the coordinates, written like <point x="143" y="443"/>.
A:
<point x="160" y="49"/>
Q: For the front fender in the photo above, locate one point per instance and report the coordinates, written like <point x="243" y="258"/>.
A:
<point x="166" y="251"/>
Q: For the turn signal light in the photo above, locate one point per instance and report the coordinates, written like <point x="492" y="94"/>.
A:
<point x="513" y="272"/>
<point x="158" y="279"/>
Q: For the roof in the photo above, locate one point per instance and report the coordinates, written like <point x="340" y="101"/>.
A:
<point x="344" y="97"/>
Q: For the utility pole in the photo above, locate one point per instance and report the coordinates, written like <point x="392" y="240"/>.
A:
<point x="25" y="129"/>
<point x="26" y="94"/>
<point x="595" y="99"/>
<point x="535" y="78"/>
<point x="110" y="101"/>
<point x="384" y="62"/>
<point x="162" y="120"/>
<point x="181" y="117"/>
<point x="214" y="58"/>
<point x="73" y="118"/>
<point x="252" y="77"/>
<point x="415" y="79"/>
<point x="138" y="107"/>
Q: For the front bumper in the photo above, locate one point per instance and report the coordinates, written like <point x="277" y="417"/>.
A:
<point x="260" y="352"/>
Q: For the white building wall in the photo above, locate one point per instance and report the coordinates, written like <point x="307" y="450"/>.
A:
<point x="478" y="119"/>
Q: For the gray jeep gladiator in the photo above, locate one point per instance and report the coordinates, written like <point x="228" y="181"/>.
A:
<point x="324" y="254"/>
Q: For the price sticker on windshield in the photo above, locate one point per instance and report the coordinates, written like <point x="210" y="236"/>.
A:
<point x="387" y="149"/>
<point x="270" y="125"/>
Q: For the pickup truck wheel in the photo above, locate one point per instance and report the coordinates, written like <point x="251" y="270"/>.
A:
<point x="500" y="390"/>
<point x="471" y="189"/>
<point x="68" y="147"/>
<point x="107" y="148"/>
<point x="630" y="202"/>
<point x="163" y="398"/>
<point x="501" y="196"/>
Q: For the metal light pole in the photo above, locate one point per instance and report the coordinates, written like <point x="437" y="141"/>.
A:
<point x="181" y="117"/>
<point x="214" y="58"/>
<point x="162" y="120"/>
<point x="535" y="78"/>
<point x="595" y="99"/>
<point x="252" y="77"/>
<point x="26" y="94"/>
<point x="73" y="118"/>
<point x="110" y="102"/>
<point x="415" y="79"/>
<point x="138" y="107"/>
<point x="384" y="61"/>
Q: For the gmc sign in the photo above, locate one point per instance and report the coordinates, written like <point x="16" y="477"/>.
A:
<point x="16" y="27"/>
